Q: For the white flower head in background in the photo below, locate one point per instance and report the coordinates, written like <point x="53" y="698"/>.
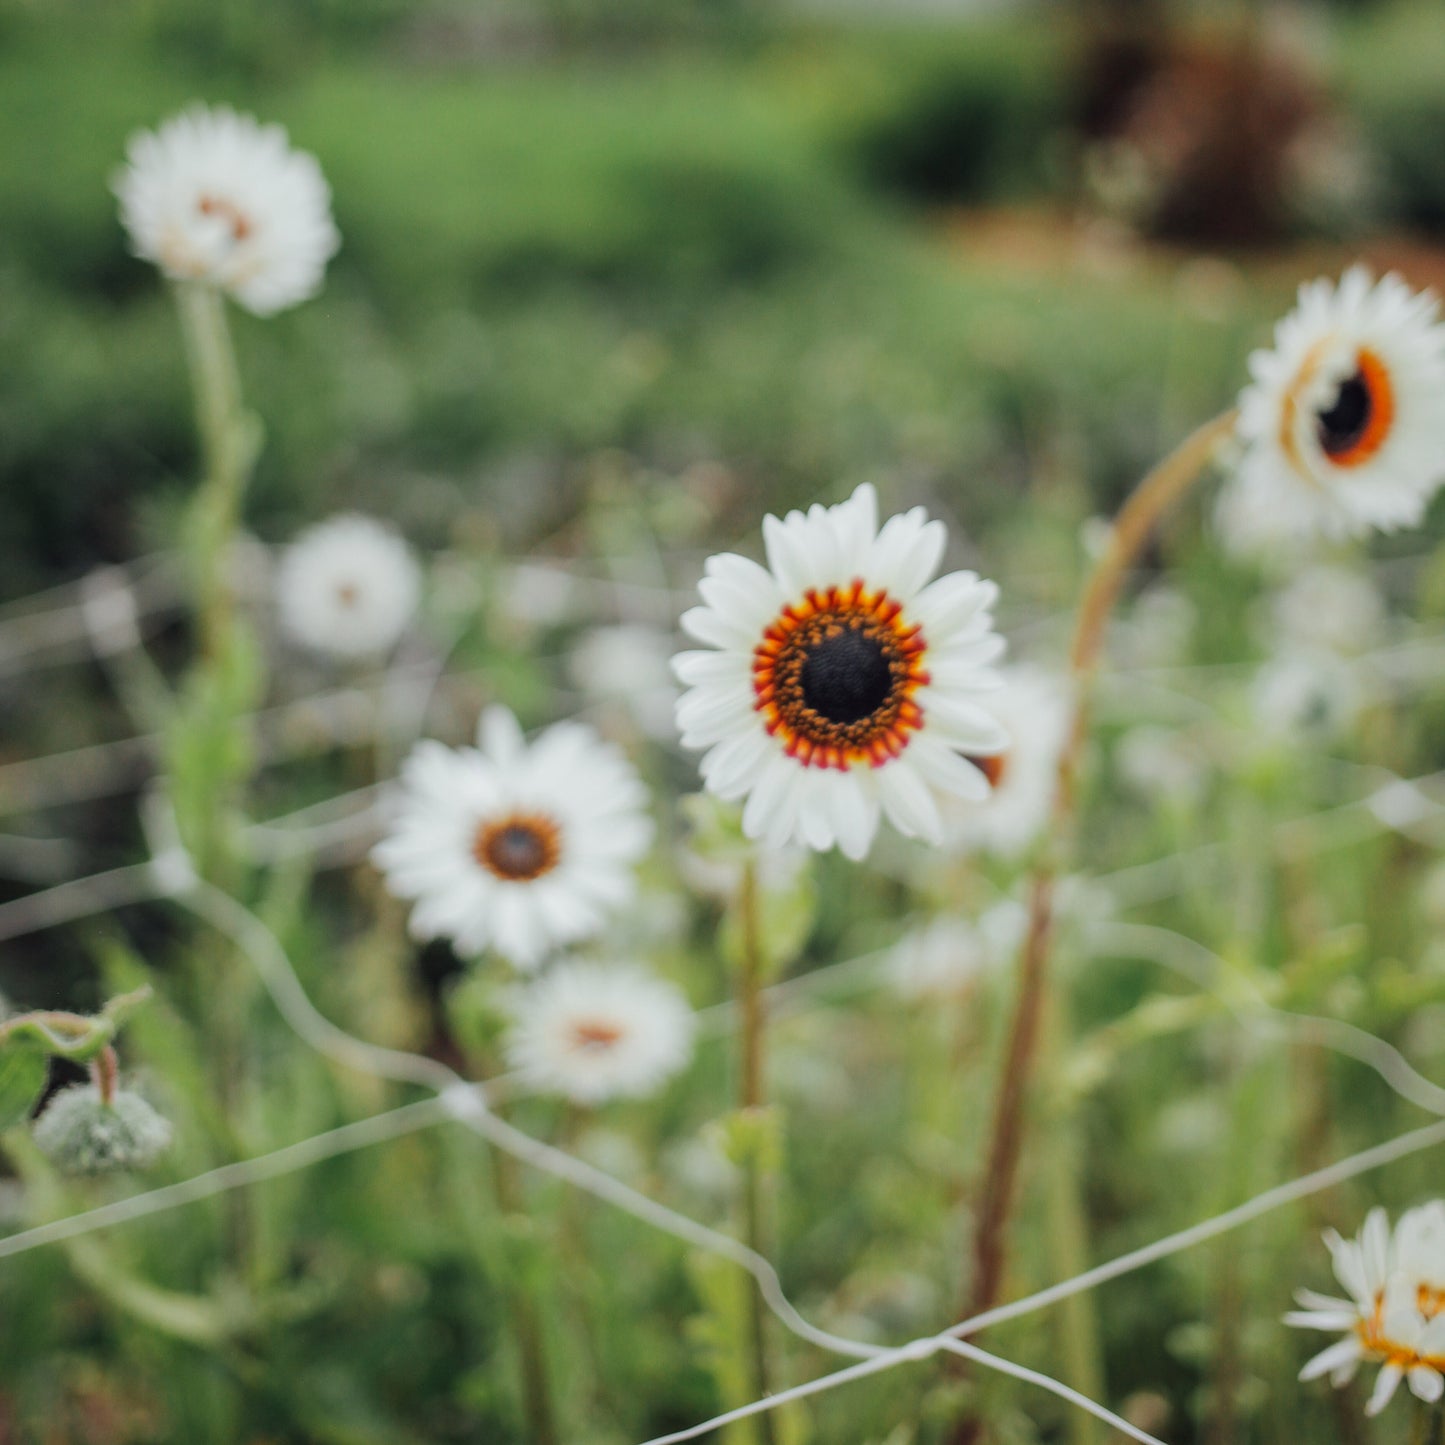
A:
<point x="841" y="683"/>
<point x="1331" y="607"/>
<point x="1343" y="426"/>
<point x="520" y="848"/>
<point x="217" y="197"/>
<point x="348" y="587"/>
<point x="626" y="665"/>
<point x="1395" y="1313"/>
<point x="1163" y="765"/>
<point x="1033" y="707"/>
<point x="1307" y="693"/>
<point x="593" y="1032"/>
<point x="949" y="956"/>
<point x="81" y="1134"/>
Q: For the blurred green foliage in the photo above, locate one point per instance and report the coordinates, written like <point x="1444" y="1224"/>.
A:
<point x="672" y="233"/>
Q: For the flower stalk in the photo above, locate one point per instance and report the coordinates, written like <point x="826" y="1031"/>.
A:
<point x="1165" y="485"/>
<point x="751" y="1103"/>
<point x="227" y="453"/>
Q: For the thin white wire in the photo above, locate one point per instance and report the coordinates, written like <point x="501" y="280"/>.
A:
<point x="1047" y="1382"/>
<point x="1202" y="966"/>
<point x="1338" y="1173"/>
<point x="79" y="898"/>
<point x="392" y="1124"/>
<point x="269" y="958"/>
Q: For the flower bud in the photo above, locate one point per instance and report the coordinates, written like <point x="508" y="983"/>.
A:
<point x="83" y="1135"/>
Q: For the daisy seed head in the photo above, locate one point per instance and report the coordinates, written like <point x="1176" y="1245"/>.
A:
<point x="522" y="848"/>
<point x="81" y="1134"/>
<point x="1343" y="425"/>
<point x="842" y="681"/>
<point x="216" y="197"/>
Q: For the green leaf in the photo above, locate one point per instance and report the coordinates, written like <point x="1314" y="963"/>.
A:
<point x="22" y="1080"/>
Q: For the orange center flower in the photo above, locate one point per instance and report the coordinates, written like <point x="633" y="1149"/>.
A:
<point x="835" y="677"/>
<point x="519" y="848"/>
<point x="1355" y="426"/>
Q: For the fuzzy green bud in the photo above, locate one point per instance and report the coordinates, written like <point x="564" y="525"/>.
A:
<point x="81" y="1134"/>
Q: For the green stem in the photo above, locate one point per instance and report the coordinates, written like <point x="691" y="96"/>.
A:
<point x="526" y="1321"/>
<point x="1068" y="1236"/>
<point x="751" y="1097"/>
<point x="226" y="455"/>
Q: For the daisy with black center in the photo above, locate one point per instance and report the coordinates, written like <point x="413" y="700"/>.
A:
<point x="515" y="847"/>
<point x="1344" y="423"/>
<point x="842" y="682"/>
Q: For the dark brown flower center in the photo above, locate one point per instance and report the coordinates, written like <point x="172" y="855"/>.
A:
<point x="1342" y="426"/>
<point x="835" y="677"/>
<point x="519" y="848"/>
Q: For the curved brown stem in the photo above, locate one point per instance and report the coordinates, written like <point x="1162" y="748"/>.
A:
<point x="1136" y="521"/>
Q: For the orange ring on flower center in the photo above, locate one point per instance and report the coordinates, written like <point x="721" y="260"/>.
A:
<point x="518" y="848"/>
<point x="1354" y="427"/>
<point x="835" y="678"/>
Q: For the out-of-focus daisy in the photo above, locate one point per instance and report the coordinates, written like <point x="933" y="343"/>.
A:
<point x="1162" y="764"/>
<point x="626" y="665"/>
<point x="347" y="586"/>
<point x="1343" y="427"/>
<point x="1307" y="694"/>
<point x="519" y="848"/>
<point x="1395" y="1313"/>
<point x="1328" y="606"/>
<point x="842" y="683"/>
<point x="217" y="197"/>
<point x="1034" y="710"/>
<point x="948" y="956"/>
<point x="593" y="1032"/>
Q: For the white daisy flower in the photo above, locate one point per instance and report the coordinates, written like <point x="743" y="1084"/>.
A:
<point x="1343" y="427"/>
<point x="523" y="849"/>
<point x="1035" y="712"/>
<point x="1307" y="694"/>
<point x="1395" y="1313"/>
<point x="592" y="1032"/>
<point x="948" y="956"/>
<point x="842" y="683"/>
<point x="217" y="197"/>
<point x="626" y="665"/>
<point x="1331" y="607"/>
<point x="348" y="587"/>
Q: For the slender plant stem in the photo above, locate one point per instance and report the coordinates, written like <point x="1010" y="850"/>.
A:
<point x="526" y="1322"/>
<point x="751" y="1098"/>
<point x="1136" y="521"/>
<point x="104" y="1071"/>
<point x="225" y="456"/>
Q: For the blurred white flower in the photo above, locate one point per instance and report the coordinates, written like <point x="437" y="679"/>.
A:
<point x="519" y="848"/>
<point x="627" y="664"/>
<point x="1033" y="708"/>
<point x="844" y="685"/>
<point x="1335" y="608"/>
<point x="217" y="197"/>
<point x="1159" y="763"/>
<point x="1307" y="694"/>
<point x="948" y="956"/>
<point x="82" y="1135"/>
<point x="1157" y="630"/>
<point x="593" y="1032"/>
<point x="1395" y="1313"/>
<point x="539" y="594"/>
<point x="348" y="587"/>
<point x="1343" y="425"/>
